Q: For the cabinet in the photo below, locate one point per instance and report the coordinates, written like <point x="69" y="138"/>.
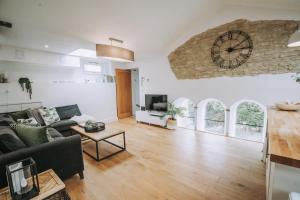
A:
<point x="154" y="118"/>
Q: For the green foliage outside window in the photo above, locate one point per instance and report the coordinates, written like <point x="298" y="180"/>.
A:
<point x="250" y="114"/>
<point x="215" y="111"/>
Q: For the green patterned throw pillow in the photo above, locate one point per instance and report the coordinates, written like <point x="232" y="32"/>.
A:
<point x="49" y="115"/>
<point x="30" y="122"/>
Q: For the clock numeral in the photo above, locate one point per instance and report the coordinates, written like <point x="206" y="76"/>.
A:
<point x="230" y="35"/>
<point x="216" y="50"/>
<point x="245" y="56"/>
<point x="222" y="38"/>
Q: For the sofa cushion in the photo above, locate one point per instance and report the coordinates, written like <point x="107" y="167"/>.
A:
<point x="63" y="125"/>
<point x="19" y="115"/>
<point x="67" y="112"/>
<point x="9" y="143"/>
<point x="36" y="115"/>
<point x="8" y="130"/>
<point x="53" y="134"/>
<point x="49" y="115"/>
<point x="31" y="135"/>
<point x="6" y="120"/>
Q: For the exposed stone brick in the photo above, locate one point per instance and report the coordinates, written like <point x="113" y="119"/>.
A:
<point x="270" y="55"/>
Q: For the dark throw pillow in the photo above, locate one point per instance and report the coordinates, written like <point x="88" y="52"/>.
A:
<point x="9" y="143"/>
<point x="19" y="115"/>
<point x="31" y="135"/>
<point x="67" y="112"/>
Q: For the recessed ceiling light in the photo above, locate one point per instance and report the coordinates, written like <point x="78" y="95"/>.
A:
<point x="46" y="46"/>
<point x="84" y="53"/>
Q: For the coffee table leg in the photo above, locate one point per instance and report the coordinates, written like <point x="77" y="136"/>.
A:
<point x="97" y="150"/>
<point x="124" y="141"/>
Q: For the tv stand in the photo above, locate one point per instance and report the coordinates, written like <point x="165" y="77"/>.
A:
<point x="150" y="117"/>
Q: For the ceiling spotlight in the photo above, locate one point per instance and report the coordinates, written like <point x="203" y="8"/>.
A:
<point x="46" y="46"/>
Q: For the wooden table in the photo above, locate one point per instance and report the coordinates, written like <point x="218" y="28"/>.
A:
<point x="283" y="155"/>
<point x="50" y="184"/>
<point x="284" y="137"/>
<point x="97" y="137"/>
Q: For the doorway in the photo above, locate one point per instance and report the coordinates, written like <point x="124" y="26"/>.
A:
<point x="135" y="82"/>
<point x="123" y="93"/>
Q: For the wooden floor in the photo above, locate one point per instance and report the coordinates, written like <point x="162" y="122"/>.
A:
<point x="182" y="165"/>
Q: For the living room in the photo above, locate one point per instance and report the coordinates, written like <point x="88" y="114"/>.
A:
<point x="150" y="99"/>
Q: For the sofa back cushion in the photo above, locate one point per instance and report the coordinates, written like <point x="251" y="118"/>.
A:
<point x="9" y="143"/>
<point x="31" y="135"/>
<point x="6" y="120"/>
<point x="67" y="112"/>
<point x="19" y="115"/>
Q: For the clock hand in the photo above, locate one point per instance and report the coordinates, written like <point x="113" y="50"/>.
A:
<point x="239" y="43"/>
<point x="240" y="48"/>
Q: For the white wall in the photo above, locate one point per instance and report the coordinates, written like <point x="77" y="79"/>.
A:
<point x="265" y="89"/>
<point x="96" y="99"/>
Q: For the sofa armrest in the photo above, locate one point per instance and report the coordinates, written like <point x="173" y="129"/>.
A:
<point x="64" y="156"/>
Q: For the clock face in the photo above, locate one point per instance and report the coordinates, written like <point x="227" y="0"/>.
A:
<point x="231" y="49"/>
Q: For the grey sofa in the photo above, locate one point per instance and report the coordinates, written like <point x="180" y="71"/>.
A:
<point x="64" y="155"/>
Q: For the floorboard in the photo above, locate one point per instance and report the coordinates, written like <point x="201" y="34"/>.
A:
<point x="180" y="165"/>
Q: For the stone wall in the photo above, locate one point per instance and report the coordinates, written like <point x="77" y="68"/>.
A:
<point x="270" y="54"/>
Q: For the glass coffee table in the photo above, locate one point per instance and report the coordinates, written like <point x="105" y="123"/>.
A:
<point x="101" y="136"/>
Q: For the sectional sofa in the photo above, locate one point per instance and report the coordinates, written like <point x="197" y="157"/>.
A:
<point x="63" y="155"/>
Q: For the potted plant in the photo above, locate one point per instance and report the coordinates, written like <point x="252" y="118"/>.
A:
<point x="171" y="114"/>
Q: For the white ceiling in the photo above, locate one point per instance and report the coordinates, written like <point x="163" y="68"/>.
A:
<point x="146" y="26"/>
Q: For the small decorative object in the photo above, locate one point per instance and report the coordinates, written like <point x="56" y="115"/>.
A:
<point x="231" y="49"/>
<point x="22" y="179"/>
<point x="288" y="106"/>
<point x="91" y="126"/>
<point x="172" y="112"/>
<point x="25" y="83"/>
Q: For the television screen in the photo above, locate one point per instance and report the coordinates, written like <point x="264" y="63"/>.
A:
<point x="156" y="102"/>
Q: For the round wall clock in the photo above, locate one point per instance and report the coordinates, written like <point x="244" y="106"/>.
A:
<point x="231" y="49"/>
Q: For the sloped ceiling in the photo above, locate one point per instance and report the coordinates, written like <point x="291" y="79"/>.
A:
<point x="147" y="27"/>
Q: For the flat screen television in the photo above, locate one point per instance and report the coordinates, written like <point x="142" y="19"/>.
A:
<point x="156" y="102"/>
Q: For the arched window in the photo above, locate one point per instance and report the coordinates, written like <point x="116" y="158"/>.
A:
<point x="248" y="120"/>
<point x="211" y="116"/>
<point x="188" y="118"/>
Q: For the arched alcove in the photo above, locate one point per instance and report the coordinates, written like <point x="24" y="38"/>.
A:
<point x="248" y="120"/>
<point x="188" y="118"/>
<point x="211" y="116"/>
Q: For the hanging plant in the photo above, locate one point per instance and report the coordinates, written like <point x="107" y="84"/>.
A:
<point x="26" y="84"/>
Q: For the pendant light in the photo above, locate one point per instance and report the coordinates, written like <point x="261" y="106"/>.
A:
<point x="294" y="40"/>
<point x="114" y="53"/>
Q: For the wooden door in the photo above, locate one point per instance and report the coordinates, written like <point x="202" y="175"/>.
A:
<point x="123" y="87"/>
